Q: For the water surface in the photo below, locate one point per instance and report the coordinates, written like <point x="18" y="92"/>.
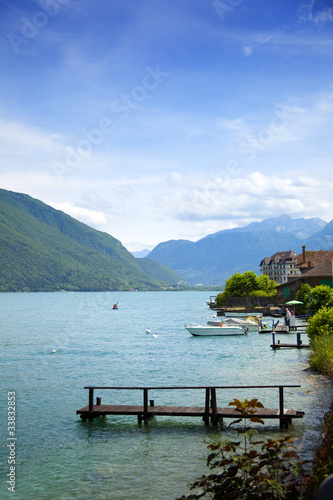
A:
<point x="59" y="457"/>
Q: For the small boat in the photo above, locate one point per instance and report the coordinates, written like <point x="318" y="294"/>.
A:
<point x="211" y="302"/>
<point x="221" y="330"/>
<point x="252" y="324"/>
<point x="115" y="306"/>
<point x="241" y="314"/>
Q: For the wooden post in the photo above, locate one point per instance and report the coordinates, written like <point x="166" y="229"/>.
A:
<point x="206" y="415"/>
<point x="214" y="406"/>
<point x="298" y="334"/>
<point x="281" y="409"/>
<point x="145" y="404"/>
<point x="98" y="401"/>
<point x="273" y="335"/>
<point x="91" y="402"/>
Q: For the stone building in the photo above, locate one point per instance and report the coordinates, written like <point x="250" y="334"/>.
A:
<point x="281" y="266"/>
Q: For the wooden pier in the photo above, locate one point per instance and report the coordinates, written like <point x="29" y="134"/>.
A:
<point x="299" y="344"/>
<point x="210" y="410"/>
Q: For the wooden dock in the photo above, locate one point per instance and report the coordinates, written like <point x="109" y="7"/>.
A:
<point x="209" y="412"/>
<point x="299" y="343"/>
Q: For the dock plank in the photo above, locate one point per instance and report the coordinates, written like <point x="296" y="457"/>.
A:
<point x="209" y="412"/>
<point x="195" y="411"/>
<point x="278" y="345"/>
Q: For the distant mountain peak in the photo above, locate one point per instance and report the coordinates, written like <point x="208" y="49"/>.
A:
<point x="284" y="224"/>
<point x="302" y="228"/>
<point x="214" y="258"/>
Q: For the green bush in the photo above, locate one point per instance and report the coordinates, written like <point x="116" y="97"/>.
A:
<point x="320" y="324"/>
<point x="321" y="355"/>
<point x="250" y="469"/>
<point x="220" y="299"/>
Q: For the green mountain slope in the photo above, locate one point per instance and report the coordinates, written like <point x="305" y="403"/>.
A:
<point x="159" y="271"/>
<point x="43" y="249"/>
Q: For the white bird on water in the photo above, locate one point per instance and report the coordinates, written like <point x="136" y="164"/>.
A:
<point x="148" y="331"/>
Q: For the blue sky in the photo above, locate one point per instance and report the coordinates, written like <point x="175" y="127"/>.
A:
<point x="166" y="119"/>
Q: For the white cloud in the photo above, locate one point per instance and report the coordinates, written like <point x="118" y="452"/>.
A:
<point x="309" y="12"/>
<point x="90" y="217"/>
<point x="247" y="50"/>
<point x="26" y="139"/>
<point x="257" y="195"/>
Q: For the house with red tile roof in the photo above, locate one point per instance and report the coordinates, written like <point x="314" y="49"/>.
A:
<point x="315" y="269"/>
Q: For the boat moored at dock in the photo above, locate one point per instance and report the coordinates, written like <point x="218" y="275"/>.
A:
<point x="252" y="324"/>
<point x="221" y="330"/>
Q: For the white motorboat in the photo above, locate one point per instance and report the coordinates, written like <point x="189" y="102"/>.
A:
<point x="224" y="330"/>
<point x="241" y="314"/>
<point x="252" y="324"/>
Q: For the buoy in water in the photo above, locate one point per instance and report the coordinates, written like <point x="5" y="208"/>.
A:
<point x="53" y="351"/>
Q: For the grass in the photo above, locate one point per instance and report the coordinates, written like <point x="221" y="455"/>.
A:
<point x="321" y="354"/>
<point x="321" y="360"/>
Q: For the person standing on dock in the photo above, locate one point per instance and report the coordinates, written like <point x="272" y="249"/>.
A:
<point x="287" y="320"/>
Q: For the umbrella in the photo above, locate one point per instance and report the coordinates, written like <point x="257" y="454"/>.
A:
<point x="293" y="303"/>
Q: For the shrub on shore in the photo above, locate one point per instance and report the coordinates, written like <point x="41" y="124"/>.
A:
<point x="251" y="469"/>
<point x="320" y="332"/>
<point x="322" y="460"/>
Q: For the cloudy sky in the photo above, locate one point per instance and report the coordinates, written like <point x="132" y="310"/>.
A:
<point x="165" y="119"/>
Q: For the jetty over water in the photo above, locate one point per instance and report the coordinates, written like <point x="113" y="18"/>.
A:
<point x="299" y="343"/>
<point x="210" y="411"/>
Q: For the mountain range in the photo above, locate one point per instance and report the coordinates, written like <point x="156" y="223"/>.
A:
<point x="214" y="258"/>
<point x="43" y="249"/>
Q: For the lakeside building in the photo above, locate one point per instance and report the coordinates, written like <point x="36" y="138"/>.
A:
<point x="281" y="266"/>
<point x="313" y="267"/>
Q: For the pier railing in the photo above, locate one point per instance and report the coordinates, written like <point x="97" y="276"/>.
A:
<point x="209" y="411"/>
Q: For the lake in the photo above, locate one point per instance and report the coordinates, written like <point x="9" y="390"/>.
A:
<point x="59" y="457"/>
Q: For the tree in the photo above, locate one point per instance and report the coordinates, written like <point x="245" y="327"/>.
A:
<point x="246" y="284"/>
<point x="267" y="285"/>
<point x="321" y="296"/>
<point x="303" y="295"/>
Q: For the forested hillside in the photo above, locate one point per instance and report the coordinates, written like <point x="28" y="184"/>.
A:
<point x="43" y="249"/>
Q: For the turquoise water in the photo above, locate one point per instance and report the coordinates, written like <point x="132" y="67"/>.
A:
<point x="59" y="457"/>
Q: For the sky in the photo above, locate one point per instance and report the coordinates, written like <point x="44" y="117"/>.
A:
<point x="154" y="120"/>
